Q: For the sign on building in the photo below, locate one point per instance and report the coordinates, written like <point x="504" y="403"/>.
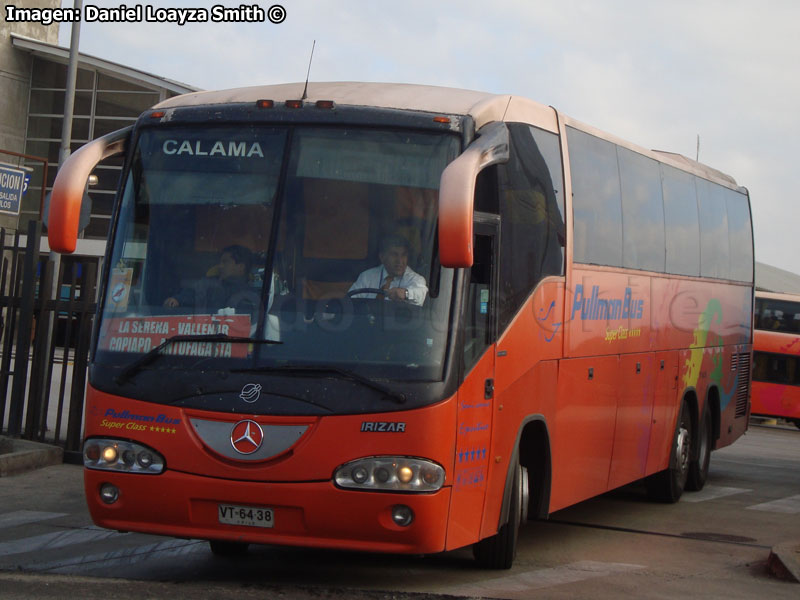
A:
<point x="12" y="186"/>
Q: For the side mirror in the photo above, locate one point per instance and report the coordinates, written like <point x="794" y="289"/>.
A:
<point x="70" y="185"/>
<point x="457" y="192"/>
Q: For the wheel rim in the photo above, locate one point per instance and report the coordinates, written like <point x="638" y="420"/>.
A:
<point x="524" y="495"/>
<point x="684" y="445"/>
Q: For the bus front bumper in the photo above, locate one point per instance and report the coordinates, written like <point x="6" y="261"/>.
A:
<point x="312" y="514"/>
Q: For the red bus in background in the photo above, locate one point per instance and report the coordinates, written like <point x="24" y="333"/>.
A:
<point x="776" y="357"/>
<point x="585" y="321"/>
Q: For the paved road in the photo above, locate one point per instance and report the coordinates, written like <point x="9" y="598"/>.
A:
<point x="713" y="544"/>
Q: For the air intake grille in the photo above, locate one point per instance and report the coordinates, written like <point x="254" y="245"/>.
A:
<point x="740" y="364"/>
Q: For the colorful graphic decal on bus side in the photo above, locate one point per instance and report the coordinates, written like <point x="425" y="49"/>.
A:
<point x="694" y="364"/>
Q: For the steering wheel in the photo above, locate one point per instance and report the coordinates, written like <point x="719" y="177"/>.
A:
<point x="383" y="293"/>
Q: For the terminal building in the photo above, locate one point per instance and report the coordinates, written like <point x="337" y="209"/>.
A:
<point x="33" y="81"/>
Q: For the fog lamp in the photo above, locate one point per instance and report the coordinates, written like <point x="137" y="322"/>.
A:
<point x="109" y="493"/>
<point x="402" y="515"/>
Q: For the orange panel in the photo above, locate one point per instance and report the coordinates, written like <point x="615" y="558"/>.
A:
<point x="583" y="431"/>
<point x="473" y="453"/>
<point x="634" y="416"/>
<point x="607" y="313"/>
<point x="665" y="411"/>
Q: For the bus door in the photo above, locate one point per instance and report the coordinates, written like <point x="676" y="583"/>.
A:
<point x="476" y="394"/>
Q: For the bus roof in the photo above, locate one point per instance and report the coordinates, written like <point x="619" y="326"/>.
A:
<point x="482" y="107"/>
<point x="778" y="296"/>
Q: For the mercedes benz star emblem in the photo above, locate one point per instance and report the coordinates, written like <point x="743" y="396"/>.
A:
<point x="246" y="437"/>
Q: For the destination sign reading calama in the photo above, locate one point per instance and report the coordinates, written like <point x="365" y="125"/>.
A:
<point x="222" y="148"/>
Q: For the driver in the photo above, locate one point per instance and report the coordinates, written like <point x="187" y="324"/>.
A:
<point x="397" y="280"/>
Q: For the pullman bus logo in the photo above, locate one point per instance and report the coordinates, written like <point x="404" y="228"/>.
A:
<point x="246" y="437"/>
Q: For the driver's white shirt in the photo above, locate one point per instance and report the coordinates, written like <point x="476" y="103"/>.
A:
<point x="374" y="278"/>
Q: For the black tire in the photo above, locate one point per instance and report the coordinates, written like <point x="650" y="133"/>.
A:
<point x="698" y="468"/>
<point x="668" y="485"/>
<point x="228" y="549"/>
<point x="499" y="550"/>
<point x="796" y="423"/>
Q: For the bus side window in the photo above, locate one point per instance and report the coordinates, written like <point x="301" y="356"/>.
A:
<point x="478" y="327"/>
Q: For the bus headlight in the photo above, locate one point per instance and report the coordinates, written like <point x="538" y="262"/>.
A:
<point x="119" y="455"/>
<point x="392" y="473"/>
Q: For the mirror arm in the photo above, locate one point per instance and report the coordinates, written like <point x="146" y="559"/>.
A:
<point x="457" y="192"/>
<point x="70" y="184"/>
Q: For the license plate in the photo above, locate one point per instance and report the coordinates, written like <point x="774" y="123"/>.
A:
<point x="249" y="516"/>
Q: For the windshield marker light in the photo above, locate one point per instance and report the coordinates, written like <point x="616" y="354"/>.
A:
<point x="390" y="473"/>
<point x="265" y="104"/>
<point x="119" y="455"/>
<point x="158" y="114"/>
<point x="294" y="104"/>
<point x="325" y="104"/>
<point x="441" y="119"/>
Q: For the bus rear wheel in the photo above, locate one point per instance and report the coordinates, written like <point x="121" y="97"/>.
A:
<point x="499" y="550"/>
<point x="698" y="469"/>
<point x="227" y="549"/>
<point x="668" y="485"/>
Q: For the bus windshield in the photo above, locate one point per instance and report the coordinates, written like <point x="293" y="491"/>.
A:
<point x="265" y="234"/>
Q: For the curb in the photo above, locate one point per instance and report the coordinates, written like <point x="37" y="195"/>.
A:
<point x="784" y="561"/>
<point x="18" y="456"/>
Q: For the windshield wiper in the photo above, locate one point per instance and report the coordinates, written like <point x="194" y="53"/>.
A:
<point x="398" y="397"/>
<point x="153" y="354"/>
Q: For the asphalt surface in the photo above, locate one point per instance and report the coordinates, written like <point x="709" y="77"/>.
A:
<point x="32" y="475"/>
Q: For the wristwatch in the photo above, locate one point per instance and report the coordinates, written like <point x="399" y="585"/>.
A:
<point x="406" y="291"/>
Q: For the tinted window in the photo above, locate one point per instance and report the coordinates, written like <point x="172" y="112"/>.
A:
<point x="776" y="368"/>
<point x="596" y="203"/>
<point x="713" y="230"/>
<point x="681" y="224"/>
<point x="532" y="225"/>
<point x="777" y="315"/>
<point x="548" y="145"/>
<point x="740" y="236"/>
<point x="642" y="212"/>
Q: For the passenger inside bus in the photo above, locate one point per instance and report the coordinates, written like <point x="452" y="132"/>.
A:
<point x="226" y="286"/>
<point x="398" y="281"/>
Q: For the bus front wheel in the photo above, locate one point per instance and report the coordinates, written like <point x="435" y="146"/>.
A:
<point x="668" y="485"/>
<point x="499" y="550"/>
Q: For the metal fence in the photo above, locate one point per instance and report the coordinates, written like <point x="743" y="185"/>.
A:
<point x="45" y="340"/>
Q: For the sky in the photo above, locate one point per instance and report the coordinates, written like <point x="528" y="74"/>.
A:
<point x="656" y="73"/>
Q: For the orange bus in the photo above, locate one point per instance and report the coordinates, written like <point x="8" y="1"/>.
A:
<point x="776" y="357"/>
<point x="567" y="313"/>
